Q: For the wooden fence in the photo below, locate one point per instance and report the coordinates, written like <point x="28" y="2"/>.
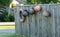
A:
<point x="37" y="25"/>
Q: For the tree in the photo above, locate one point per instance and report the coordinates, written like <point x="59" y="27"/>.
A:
<point x="5" y="2"/>
<point x="41" y="1"/>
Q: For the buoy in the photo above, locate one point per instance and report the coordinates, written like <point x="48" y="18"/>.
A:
<point x="46" y="13"/>
<point x="21" y="15"/>
<point x="31" y="11"/>
<point x="25" y="13"/>
<point x="37" y="8"/>
<point x="22" y="18"/>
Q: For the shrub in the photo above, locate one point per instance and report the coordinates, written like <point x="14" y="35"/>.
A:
<point x="11" y="17"/>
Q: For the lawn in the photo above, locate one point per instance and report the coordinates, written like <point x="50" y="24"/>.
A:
<point x="11" y="35"/>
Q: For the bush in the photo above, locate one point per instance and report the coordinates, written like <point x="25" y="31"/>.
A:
<point x="5" y="18"/>
<point x="11" y="17"/>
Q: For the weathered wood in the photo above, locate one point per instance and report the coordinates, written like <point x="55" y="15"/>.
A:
<point x="37" y="25"/>
<point x="17" y="25"/>
<point x="57" y="10"/>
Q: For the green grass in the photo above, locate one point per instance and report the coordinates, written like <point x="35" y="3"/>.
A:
<point x="11" y="35"/>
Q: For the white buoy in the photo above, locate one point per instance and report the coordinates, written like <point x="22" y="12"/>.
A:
<point x="31" y="11"/>
<point x="46" y="13"/>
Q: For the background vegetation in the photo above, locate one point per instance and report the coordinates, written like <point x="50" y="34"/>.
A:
<point x="42" y="1"/>
<point x="4" y="4"/>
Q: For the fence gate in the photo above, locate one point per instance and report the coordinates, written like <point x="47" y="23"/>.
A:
<point x="37" y="25"/>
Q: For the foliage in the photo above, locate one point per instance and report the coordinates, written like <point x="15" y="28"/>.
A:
<point x="11" y="17"/>
<point x="1" y="17"/>
<point x="41" y="1"/>
<point x="5" y="2"/>
<point x="5" y="18"/>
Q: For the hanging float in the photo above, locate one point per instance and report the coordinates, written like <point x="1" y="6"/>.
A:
<point x="25" y="13"/>
<point x="37" y="8"/>
<point x="46" y="13"/>
<point x="31" y="11"/>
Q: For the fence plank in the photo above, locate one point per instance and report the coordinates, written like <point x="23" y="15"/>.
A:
<point x="57" y="10"/>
